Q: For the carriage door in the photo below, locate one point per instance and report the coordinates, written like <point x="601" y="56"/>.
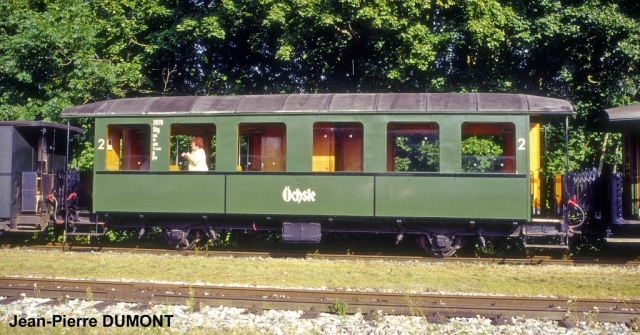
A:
<point x="113" y="149"/>
<point x="134" y="148"/>
<point x="273" y="147"/>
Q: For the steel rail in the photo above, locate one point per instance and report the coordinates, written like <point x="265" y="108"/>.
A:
<point x="433" y="306"/>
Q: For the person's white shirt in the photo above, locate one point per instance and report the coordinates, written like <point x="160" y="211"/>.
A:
<point x="198" y="160"/>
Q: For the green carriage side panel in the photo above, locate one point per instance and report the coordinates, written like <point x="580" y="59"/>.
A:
<point x="100" y="137"/>
<point x="284" y="194"/>
<point x="375" y="143"/>
<point x="158" y="193"/>
<point x="454" y="196"/>
<point x="226" y="147"/>
<point x="299" y="142"/>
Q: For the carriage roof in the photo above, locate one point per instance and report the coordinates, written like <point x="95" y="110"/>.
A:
<point x="626" y="113"/>
<point x="41" y="124"/>
<point x="462" y="103"/>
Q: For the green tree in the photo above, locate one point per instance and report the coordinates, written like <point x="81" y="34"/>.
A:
<point x="481" y="153"/>
<point x="58" y="53"/>
<point x="415" y="154"/>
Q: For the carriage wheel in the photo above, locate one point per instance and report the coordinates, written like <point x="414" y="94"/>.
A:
<point x="190" y="240"/>
<point x="426" y="243"/>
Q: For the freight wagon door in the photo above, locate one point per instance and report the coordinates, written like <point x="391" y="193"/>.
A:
<point x="631" y="161"/>
<point x="7" y="189"/>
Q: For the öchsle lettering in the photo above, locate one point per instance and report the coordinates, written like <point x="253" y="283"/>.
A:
<point x="298" y="196"/>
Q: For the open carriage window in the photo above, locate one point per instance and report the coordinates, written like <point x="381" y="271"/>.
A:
<point x="261" y="147"/>
<point x="180" y="142"/>
<point x="337" y="146"/>
<point x="413" y="147"/>
<point x="488" y="147"/>
<point x="127" y="146"/>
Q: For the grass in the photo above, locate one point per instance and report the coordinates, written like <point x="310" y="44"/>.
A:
<point x="521" y="280"/>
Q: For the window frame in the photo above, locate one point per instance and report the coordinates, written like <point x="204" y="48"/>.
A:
<point x="270" y="152"/>
<point x="417" y="129"/>
<point x="187" y="130"/>
<point x="343" y="151"/>
<point x="124" y="148"/>
<point x="487" y="134"/>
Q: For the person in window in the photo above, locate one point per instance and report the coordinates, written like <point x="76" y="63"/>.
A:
<point x="197" y="158"/>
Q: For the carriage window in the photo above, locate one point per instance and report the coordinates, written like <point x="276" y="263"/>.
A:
<point x="413" y="147"/>
<point x="180" y="142"/>
<point x="488" y="147"/>
<point x="127" y="146"/>
<point x="337" y="146"/>
<point x="261" y="147"/>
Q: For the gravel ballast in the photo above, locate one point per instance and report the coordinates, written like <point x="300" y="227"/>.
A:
<point x="224" y="320"/>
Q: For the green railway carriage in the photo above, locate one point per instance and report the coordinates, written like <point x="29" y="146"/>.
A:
<point x="304" y="164"/>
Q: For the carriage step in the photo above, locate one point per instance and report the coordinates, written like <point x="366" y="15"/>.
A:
<point x="25" y="230"/>
<point x="634" y="240"/>
<point x="84" y="221"/>
<point x="547" y="246"/>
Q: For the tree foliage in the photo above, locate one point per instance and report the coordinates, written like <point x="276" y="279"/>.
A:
<point x="481" y="153"/>
<point x="58" y="53"/>
<point x="415" y="154"/>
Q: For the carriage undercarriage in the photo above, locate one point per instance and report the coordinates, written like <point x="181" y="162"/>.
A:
<point x="437" y="238"/>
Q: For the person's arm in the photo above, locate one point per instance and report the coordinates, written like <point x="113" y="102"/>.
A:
<point x="196" y="158"/>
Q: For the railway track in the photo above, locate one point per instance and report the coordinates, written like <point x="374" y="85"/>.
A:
<point x="535" y="260"/>
<point x="435" y="307"/>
